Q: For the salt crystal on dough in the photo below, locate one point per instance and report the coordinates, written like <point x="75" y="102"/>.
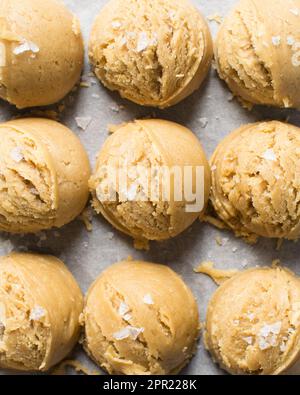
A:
<point x="16" y="154"/>
<point x="142" y="42"/>
<point x="248" y="340"/>
<point x="269" y="155"/>
<point x="295" y="11"/>
<point x="36" y="313"/>
<point x="26" y="46"/>
<point x="276" y="40"/>
<point x="128" y="331"/>
<point x="147" y="299"/>
<point x="116" y="24"/>
<point x="123" y="309"/>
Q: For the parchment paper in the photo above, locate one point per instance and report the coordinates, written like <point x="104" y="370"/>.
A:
<point x="88" y="253"/>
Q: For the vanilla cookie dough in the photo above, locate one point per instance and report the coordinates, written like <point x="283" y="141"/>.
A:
<point x="145" y="205"/>
<point x="153" y="53"/>
<point x="44" y="172"/>
<point x="255" y="181"/>
<point x="253" y="322"/>
<point x="140" y="318"/>
<point x="41" y="52"/>
<point x="258" y="52"/>
<point x="40" y="305"/>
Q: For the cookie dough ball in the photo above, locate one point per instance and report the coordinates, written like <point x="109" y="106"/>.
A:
<point x="41" y="52"/>
<point x="44" y="174"/>
<point x="154" y="53"/>
<point x="140" y="318"/>
<point x="40" y="305"/>
<point x="144" y="149"/>
<point x="253" y="322"/>
<point x="255" y="180"/>
<point x="257" y="52"/>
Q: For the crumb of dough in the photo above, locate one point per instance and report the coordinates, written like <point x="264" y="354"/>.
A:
<point x="213" y="221"/>
<point x="219" y="241"/>
<point x="60" y="370"/>
<point x="279" y="244"/>
<point x="113" y="128"/>
<point x="275" y="263"/>
<point x="86" y="218"/>
<point x="217" y="275"/>
<point x="141" y="244"/>
<point x="84" y="84"/>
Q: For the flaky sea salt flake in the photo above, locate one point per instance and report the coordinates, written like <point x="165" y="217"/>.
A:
<point x="147" y="299"/>
<point x="128" y="331"/>
<point x="290" y="41"/>
<point x="116" y="24"/>
<point x="123" y="309"/>
<point x="36" y="313"/>
<point x="143" y="42"/>
<point x="16" y="154"/>
<point x="269" y="154"/>
<point x="203" y="122"/>
<point x="276" y="40"/>
<point x="83" y="122"/>
<point x="295" y="11"/>
<point x="248" y="340"/>
<point x="26" y="46"/>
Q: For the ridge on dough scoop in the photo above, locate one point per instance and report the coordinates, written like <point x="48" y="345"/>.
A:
<point x="154" y="53"/>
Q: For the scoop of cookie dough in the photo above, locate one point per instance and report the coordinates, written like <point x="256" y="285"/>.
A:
<point x="154" y="53"/>
<point x="40" y="304"/>
<point x="41" y="52"/>
<point x="252" y="324"/>
<point x="143" y="203"/>
<point x="44" y="174"/>
<point x="140" y="318"/>
<point x="257" y="52"/>
<point x="255" y="180"/>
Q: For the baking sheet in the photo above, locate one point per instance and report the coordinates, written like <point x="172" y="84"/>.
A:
<point x="88" y="253"/>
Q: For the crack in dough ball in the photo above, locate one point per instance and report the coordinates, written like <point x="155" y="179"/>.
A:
<point x="255" y="181"/>
<point x="154" y="53"/>
<point x="37" y="67"/>
<point x="44" y="174"/>
<point x="40" y="305"/>
<point x="257" y="52"/>
<point x="140" y="318"/>
<point x="253" y="322"/>
<point x="143" y="148"/>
